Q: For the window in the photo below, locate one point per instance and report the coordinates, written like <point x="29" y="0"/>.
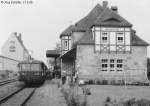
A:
<point x="35" y="67"/>
<point x="104" y="64"/>
<point x="104" y="60"/>
<point x="120" y="37"/>
<point x="104" y="37"/>
<point x="66" y="45"/>
<point x="119" y="64"/>
<point x="119" y="61"/>
<point x="25" y="67"/>
<point x="112" y="60"/>
<point x="112" y="65"/>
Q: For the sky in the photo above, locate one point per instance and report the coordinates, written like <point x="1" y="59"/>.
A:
<point x="43" y="21"/>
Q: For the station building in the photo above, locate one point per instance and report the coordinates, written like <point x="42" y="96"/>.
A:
<point x="104" y="46"/>
<point x="12" y="52"/>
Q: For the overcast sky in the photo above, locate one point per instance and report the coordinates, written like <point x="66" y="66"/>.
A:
<point x="42" y="22"/>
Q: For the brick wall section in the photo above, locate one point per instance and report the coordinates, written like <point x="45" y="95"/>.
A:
<point x="135" y="64"/>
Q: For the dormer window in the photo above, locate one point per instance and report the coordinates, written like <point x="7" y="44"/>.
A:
<point x="65" y="44"/>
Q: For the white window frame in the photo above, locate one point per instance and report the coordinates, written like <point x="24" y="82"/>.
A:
<point x="104" y="35"/>
<point x="120" y="64"/>
<point x="120" y="35"/>
<point x="104" y="65"/>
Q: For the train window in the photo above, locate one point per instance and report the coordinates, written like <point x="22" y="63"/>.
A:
<point x="25" y="67"/>
<point x="35" y="67"/>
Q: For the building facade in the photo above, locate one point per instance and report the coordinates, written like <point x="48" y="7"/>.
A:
<point x="13" y="51"/>
<point x="14" y="48"/>
<point x="103" y="45"/>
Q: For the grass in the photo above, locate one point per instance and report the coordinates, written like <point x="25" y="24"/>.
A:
<point x="101" y="92"/>
<point x="130" y="102"/>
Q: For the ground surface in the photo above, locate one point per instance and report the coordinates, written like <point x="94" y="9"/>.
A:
<point x="47" y="95"/>
<point x="101" y="92"/>
<point x="8" y="88"/>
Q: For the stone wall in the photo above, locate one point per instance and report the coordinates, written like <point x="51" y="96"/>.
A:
<point x="135" y="64"/>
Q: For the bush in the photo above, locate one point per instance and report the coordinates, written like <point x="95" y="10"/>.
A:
<point x="72" y="98"/>
<point x="86" y="91"/>
<point x="130" y="102"/>
<point x="108" y="99"/>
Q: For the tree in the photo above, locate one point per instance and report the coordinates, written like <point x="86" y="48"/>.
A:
<point x="148" y="68"/>
<point x="58" y="47"/>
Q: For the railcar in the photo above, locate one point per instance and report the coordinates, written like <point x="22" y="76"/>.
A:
<point x="33" y="71"/>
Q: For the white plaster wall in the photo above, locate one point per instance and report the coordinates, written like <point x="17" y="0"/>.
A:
<point x="18" y="54"/>
<point x="76" y="36"/>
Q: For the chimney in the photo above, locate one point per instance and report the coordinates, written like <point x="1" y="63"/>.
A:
<point x="19" y="37"/>
<point x="15" y="33"/>
<point x="105" y="3"/>
<point x="114" y="8"/>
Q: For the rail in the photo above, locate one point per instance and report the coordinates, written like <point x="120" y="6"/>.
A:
<point x="8" y="81"/>
<point x="24" y="95"/>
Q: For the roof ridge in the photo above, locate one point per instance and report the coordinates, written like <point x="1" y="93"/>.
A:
<point x="21" y="43"/>
<point x="87" y="21"/>
<point x="109" y="13"/>
<point x="67" y="31"/>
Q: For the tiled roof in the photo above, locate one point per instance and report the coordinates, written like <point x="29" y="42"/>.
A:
<point x="87" y="38"/>
<point x="110" y="18"/>
<point x="52" y="53"/>
<point x="136" y="40"/>
<point x="102" y="16"/>
<point x="67" y="31"/>
<point x="87" y="21"/>
<point x="21" y="42"/>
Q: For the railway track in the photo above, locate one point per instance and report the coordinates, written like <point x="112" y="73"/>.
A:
<point x="19" y="97"/>
<point x="7" y="81"/>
